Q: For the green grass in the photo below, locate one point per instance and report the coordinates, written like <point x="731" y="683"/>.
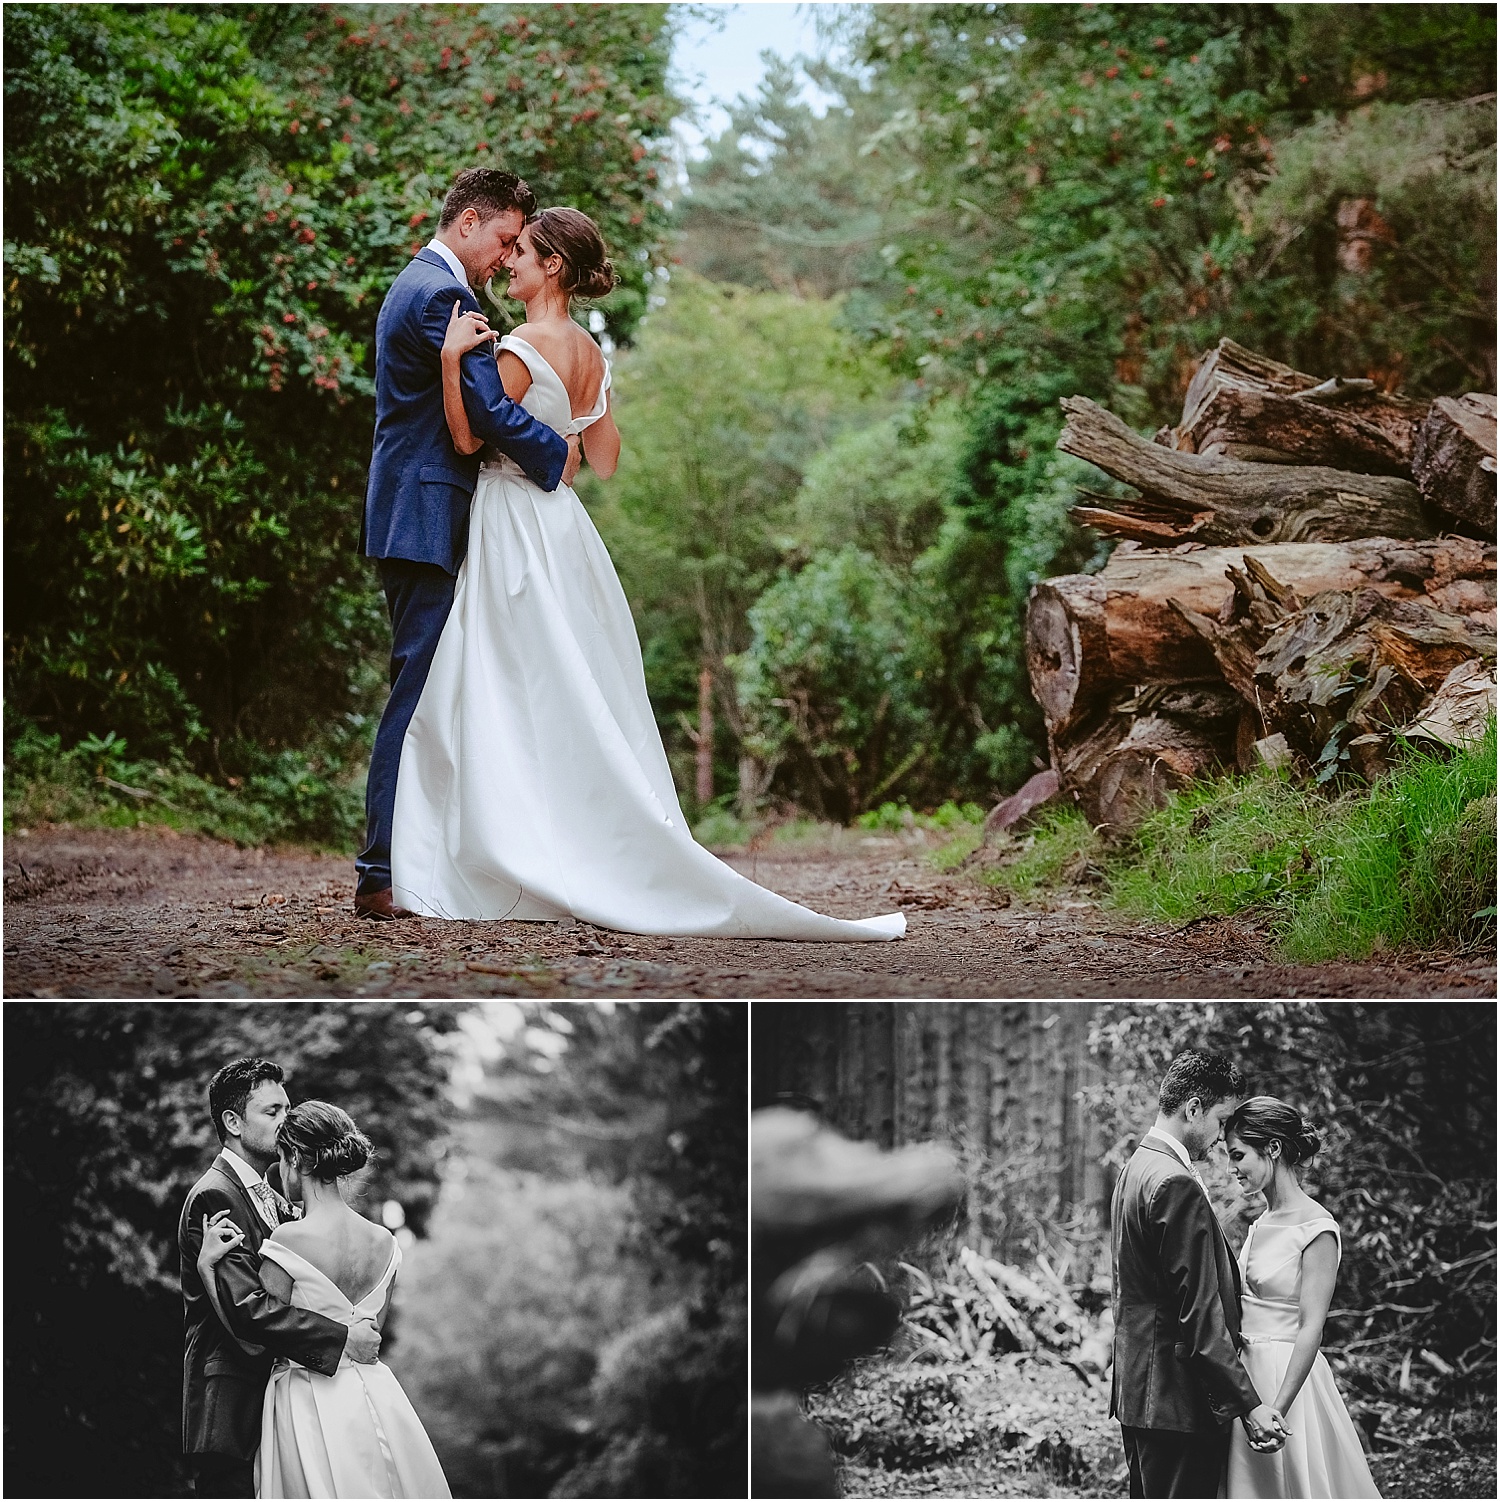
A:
<point x="1060" y="847"/>
<point x="1408" y="863"/>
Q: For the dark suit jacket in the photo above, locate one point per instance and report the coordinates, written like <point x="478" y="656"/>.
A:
<point x="420" y="486"/>
<point x="222" y="1387"/>
<point x="1177" y="1302"/>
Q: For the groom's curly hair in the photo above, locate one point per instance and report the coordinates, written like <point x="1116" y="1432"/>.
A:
<point x="1211" y="1077"/>
<point x="230" y="1089"/>
<point x="487" y="191"/>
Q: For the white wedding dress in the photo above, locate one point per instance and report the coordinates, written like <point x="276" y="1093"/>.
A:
<point x="354" y="1434"/>
<point x="533" y="783"/>
<point x="1323" y="1457"/>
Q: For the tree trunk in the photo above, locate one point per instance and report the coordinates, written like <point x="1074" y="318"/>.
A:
<point x="1228" y="501"/>
<point x="1088" y="636"/>
<point x="1121" y="763"/>
<point x="705" y="738"/>
<point x="1454" y="460"/>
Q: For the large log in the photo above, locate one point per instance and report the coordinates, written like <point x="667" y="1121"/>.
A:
<point x="1088" y="636"/>
<point x="1241" y="405"/>
<point x="1454" y="460"/>
<point x="1121" y="763"/>
<point x="1189" y="496"/>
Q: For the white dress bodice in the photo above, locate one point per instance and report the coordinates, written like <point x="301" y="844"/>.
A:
<point x="1271" y="1270"/>
<point x="547" y="400"/>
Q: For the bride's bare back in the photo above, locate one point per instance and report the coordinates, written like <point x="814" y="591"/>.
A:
<point x="347" y="1249"/>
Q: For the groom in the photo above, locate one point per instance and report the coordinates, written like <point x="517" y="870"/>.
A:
<point x="223" y="1386"/>
<point x="1178" y="1380"/>
<point x="416" y="516"/>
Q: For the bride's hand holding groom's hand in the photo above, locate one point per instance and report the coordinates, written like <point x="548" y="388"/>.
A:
<point x="1266" y="1428"/>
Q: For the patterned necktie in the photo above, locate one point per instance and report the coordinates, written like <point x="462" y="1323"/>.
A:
<point x="265" y="1197"/>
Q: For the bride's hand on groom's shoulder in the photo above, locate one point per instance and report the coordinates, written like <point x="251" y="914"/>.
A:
<point x="220" y="1237"/>
<point x="465" y="331"/>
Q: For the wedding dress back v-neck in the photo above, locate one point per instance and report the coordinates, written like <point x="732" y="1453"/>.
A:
<point x="533" y="783"/>
<point x="352" y="1434"/>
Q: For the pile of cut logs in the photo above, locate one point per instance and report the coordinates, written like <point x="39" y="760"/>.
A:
<point x="1308" y="568"/>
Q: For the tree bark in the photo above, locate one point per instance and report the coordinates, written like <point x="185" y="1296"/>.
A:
<point x="1088" y="636"/>
<point x="1241" y="405"/>
<point x="1454" y="460"/>
<point x="1189" y="496"/>
<point x="705" y="738"/>
<point x="1120" y="764"/>
<point x="1350" y="663"/>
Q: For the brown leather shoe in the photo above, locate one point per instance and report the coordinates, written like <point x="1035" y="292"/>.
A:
<point x="378" y="905"/>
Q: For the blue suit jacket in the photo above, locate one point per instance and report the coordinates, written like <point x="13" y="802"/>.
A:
<point x="420" y="486"/>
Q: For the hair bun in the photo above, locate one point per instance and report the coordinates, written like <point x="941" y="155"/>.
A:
<point x="347" y="1155"/>
<point x="1307" y="1143"/>
<point x="598" y="281"/>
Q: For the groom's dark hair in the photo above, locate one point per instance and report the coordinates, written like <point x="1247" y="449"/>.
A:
<point x="231" y="1088"/>
<point x="487" y="191"/>
<point x="1209" y="1076"/>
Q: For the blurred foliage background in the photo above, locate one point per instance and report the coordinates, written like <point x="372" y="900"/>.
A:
<point x="570" y="1317"/>
<point x="841" y="342"/>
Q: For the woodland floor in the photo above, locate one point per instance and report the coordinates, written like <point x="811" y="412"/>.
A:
<point x="1043" y="1434"/>
<point x="151" y="912"/>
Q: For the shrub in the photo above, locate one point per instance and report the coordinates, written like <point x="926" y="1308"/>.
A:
<point x="898" y="1416"/>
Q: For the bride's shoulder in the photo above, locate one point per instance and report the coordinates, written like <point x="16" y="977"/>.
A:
<point x="1315" y="1211"/>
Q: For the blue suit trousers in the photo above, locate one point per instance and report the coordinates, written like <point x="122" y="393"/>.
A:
<point x="419" y="597"/>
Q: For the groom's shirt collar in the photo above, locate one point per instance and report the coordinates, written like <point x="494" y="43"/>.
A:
<point x="246" y="1174"/>
<point x="1175" y="1145"/>
<point x="454" y="264"/>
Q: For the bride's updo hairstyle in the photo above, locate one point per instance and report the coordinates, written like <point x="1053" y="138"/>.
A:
<point x="1263" y="1119"/>
<point x="586" y="270"/>
<point x="323" y="1141"/>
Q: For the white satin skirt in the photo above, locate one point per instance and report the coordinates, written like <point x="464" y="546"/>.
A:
<point x="533" y="783"/>
<point x="1322" y="1458"/>
<point x="354" y="1434"/>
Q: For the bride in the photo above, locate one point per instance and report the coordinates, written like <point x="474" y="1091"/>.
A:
<point x="355" y="1433"/>
<point x="1288" y="1263"/>
<point x="533" y="783"/>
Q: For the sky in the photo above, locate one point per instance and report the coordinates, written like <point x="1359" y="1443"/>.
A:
<point x="717" y="57"/>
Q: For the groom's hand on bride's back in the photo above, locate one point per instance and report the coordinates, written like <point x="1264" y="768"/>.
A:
<point x="363" y="1344"/>
<point x="575" y="460"/>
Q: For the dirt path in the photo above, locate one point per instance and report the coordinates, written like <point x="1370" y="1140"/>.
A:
<point x="148" y="912"/>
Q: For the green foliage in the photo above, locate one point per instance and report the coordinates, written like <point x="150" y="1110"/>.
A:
<point x="723" y="402"/>
<point x="204" y="208"/>
<point x="107" y="1127"/>
<point x="824" y="686"/>
<point x="1408" y="863"/>
<point x="313" y="795"/>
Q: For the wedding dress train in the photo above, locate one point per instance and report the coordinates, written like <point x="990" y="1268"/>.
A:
<point x="533" y="783"/>
<point x="1323" y="1457"/>
<point x="354" y="1434"/>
